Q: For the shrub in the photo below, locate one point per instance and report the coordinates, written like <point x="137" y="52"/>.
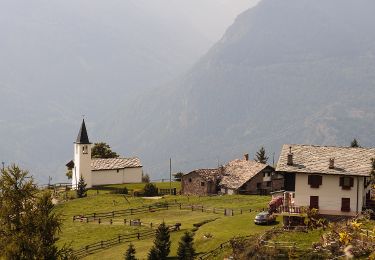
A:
<point x="150" y="190"/>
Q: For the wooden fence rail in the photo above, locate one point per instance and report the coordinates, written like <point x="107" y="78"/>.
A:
<point x="92" y="248"/>
<point x="92" y="217"/>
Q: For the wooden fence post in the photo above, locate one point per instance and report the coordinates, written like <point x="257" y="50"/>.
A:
<point x="94" y="216"/>
<point x="180" y="205"/>
<point x="202" y="208"/>
<point x="124" y="221"/>
<point x="232" y="212"/>
<point x="138" y="235"/>
<point x="131" y="211"/>
<point x="192" y="208"/>
<point x="99" y="221"/>
<point x="110" y="222"/>
<point x="119" y="239"/>
<point x="241" y="211"/>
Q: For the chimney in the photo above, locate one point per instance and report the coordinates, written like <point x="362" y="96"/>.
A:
<point x="332" y="163"/>
<point x="246" y="156"/>
<point x="290" y="157"/>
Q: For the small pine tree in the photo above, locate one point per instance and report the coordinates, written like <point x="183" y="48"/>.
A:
<point x="162" y="244"/>
<point x="354" y="143"/>
<point x="153" y="254"/>
<point x="150" y="190"/>
<point x="130" y="253"/>
<point x="81" y="189"/>
<point x="261" y="156"/>
<point x="185" y="249"/>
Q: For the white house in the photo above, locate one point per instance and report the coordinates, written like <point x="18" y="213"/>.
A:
<point x="335" y="180"/>
<point x="101" y="171"/>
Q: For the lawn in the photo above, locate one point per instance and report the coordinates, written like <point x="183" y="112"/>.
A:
<point x="220" y="229"/>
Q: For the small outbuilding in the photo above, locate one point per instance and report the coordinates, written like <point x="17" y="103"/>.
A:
<point x="200" y="182"/>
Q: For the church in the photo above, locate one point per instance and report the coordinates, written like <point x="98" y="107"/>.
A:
<point x="97" y="172"/>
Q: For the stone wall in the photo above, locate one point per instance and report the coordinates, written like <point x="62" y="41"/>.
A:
<point x="194" y="184"/>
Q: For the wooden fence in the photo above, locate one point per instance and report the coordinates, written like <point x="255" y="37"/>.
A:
<point x="92" y="217"/>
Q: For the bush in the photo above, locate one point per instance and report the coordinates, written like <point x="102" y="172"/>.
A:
<point x="146" y="178"/>
<point x="150" y="190"/>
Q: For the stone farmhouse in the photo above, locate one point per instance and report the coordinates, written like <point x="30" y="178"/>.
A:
<point x="101" y="171"/>
<point x="335" y="180"/>
<point x="237" y="177"/>
<point x="201" y="182"/>
<point x="249" y="177"/>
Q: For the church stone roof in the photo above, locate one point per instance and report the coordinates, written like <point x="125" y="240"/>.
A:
<point x="115" y="163"/>
<point x="82" y="137"/>
<point x="238" y="172"/>
<point x="315" y="159"/>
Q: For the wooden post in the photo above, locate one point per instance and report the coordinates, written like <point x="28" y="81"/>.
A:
<point x="124" y="221"/>
<point x="131" y="211"/>
<point x="138" y="235"/>
<point x="202" y="208"/>
<point x="180" y="205"/>
<point x="110" y="222"/>
<point x="232" y="212"/>
<point x="119" y="239"/>
<point x="192" y="208"/>
<point x="94" y="216"/>
<point x="151" y="225"/>
<point x="99" y="220"/>
<point x="241" y="211"/>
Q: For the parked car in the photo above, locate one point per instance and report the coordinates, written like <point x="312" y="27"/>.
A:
<point x="264" y="217"/>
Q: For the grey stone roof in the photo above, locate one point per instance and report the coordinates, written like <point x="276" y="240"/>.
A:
<point x="206" y="174"/>
<point x="115" y="163"/>
<point x="238" y="172"/>
<point x="82" y="137"/>
<point x="315" y="159"/>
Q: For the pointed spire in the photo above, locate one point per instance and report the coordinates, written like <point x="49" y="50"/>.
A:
<point x="82" y="137"/>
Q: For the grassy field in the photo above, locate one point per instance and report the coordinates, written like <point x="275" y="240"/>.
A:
<point x="220" y="228"/>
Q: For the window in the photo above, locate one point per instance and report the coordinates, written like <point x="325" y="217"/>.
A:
<point x="189" y="179"/>
<point x="314" y="202"/>
<point x="345" y="204"/>
<point x="259" y="185"/>
<point x="118" y="170"/>
<point x="314" y="181"/>
<point x="84" y="149"/>
<point x="346" y="182"/>
<point x="268" y="184"/>
<point x="202" y="184"/>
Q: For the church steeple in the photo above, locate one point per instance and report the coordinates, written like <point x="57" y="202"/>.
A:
<point x="82" y="137"/>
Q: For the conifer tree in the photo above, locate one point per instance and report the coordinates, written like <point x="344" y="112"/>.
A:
<point x="153" y="254"/>
<point x="28" y="225"/>
<point x="185" y="249"/>
<point x="261" y="156"/>
<point x="354" y="143"/>
<point x="130" y="253"/>
<point x="162" y="243"/>
<point x="81" y="189"/>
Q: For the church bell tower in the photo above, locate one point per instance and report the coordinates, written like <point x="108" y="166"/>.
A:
<point x="82" y="158"/>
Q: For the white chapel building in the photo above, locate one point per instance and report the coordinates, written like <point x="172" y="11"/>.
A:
<point x="97" y="172"/>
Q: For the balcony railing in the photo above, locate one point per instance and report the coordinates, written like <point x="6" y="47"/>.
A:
<point x="289" y="210"/>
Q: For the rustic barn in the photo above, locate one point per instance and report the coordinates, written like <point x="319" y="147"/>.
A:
<point x="200" y="182"/>
<point x="249" y="177"/>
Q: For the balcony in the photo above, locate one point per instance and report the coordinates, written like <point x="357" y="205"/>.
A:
<point x="290" y="211"/>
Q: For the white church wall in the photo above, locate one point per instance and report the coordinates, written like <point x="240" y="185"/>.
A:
<point x="127" y="175"/>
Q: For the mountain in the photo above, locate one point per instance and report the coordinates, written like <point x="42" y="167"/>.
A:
<point x="290" y="71"/>
<point x="62" y="59"/>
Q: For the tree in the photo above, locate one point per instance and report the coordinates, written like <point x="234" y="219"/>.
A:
<point x="261" y="156"/>
<point x="81" y="189"/>
<point x="178" y="176"/>
<point x="28" y="225"/>
<point x="150" y="190"/>
<point x="146" y="178"/>
<point x="102" y="150"/>
<point x="69" y="174"/>
<point x="162" y="243"/>
<point x="130" y="253"/>
<point x="185" y="249"/>
<point x="153" y="254"/>
<point x="354" y="143"/>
